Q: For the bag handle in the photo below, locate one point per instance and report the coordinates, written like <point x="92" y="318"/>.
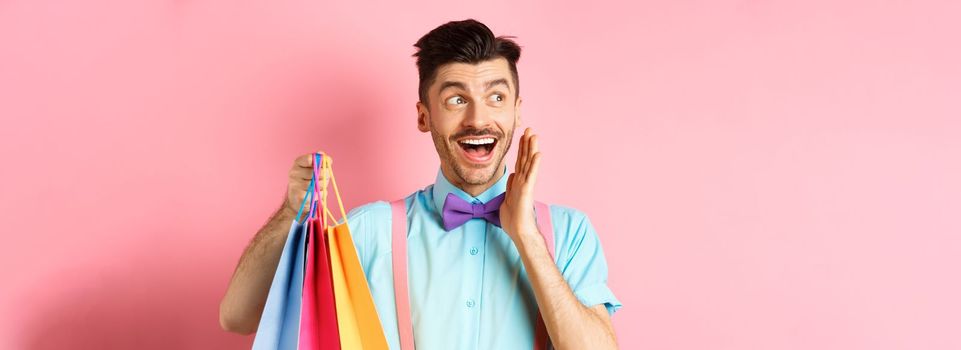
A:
<point x="319" y="159"/>
<point x="309" y="194"/>
<point x="318" y="194"/>
<point x="321" y="173"/>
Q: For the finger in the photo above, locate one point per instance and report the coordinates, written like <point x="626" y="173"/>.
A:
<point x="510" y="181"/>
<point x="305" y="161"/>
<point x="295" y="193"/>
<point x="298" y="184"/>
<point x="517" y="163"/>
<point x="527" y="156"/>
<point x="299" y="197"/>
<point x="522" y="150"/>
<point x="531" y="151"/>
<point x="520" y="153"/>
<point x="299" y="201"/>
<point x="535" y="165"/>
<point x="300" y="174"/>
<point x="534" y="144"/>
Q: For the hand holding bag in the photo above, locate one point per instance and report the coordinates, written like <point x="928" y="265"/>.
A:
<point x="318" y="317"/>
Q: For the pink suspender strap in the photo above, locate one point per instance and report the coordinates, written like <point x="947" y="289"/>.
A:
<point x="543" y="214"/>
<point x="399" y="260"/>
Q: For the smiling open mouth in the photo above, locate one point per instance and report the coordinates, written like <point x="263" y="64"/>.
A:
<point x="478" y="150"/>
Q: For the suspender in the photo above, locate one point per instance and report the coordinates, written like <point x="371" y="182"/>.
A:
<point x="544" y="224"/>
<point x="399" y="259"/>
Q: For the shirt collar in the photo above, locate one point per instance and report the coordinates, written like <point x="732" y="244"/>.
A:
<point x="442" y="187"/>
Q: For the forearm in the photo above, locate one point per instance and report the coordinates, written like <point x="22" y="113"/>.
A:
<point x="570" y="324"/>
<point x="246" y="295"/>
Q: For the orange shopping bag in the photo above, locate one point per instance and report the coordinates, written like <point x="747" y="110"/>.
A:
<point x="357" y="320"/>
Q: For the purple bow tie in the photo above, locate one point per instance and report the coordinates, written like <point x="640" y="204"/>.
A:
<point x="457" y="211"/>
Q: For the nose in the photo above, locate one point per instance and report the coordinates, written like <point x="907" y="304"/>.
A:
<point x="477" y="117"/>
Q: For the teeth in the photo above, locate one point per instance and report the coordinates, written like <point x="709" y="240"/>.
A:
<point x="486" y="141"/>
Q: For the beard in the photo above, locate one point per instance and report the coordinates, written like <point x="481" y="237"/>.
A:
<point x="472" y="174"/>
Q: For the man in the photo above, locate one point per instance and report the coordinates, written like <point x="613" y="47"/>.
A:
<point x="477" y="284"/>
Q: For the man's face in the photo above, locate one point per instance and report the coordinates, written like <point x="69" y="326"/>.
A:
<point x="472" y="114"/>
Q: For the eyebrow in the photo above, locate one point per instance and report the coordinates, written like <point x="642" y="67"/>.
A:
<point x="462" y="86"/>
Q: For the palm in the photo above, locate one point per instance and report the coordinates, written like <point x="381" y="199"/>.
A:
<point x="517" y="210"/>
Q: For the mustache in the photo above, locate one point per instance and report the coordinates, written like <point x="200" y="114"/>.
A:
<point x="475" y="132"/>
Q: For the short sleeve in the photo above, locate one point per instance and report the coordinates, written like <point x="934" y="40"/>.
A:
<point x="366" y="223"/>
<point x="580" y="258"/>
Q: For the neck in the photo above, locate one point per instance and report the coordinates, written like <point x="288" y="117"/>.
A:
<point x="471" y="189"/>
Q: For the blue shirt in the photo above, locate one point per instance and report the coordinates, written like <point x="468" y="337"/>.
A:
<point x="468" y="287"/>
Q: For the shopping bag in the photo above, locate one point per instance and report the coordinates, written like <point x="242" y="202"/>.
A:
<point x="358" y="325"/>
<point x="318" y="314"/>
<point x="279" y="326"/>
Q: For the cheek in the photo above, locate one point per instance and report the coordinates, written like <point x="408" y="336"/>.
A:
<point x="444" y="124"/>
<point x="506" y="121"/>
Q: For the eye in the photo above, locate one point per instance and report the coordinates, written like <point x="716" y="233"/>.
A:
<point x="497" y="97"/>
<point x="453" y="100"/>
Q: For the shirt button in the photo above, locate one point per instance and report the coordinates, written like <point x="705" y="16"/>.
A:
<point x="470" y="302"/>
<point x="473" y="250"/>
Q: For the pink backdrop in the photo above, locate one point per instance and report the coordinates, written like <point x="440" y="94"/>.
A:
<point x="763" y="175"/>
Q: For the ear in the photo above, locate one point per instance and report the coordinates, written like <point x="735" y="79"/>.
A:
<point x="423" y="117"/>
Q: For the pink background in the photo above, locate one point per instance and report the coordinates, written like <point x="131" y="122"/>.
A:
<point x="763" y="175"/>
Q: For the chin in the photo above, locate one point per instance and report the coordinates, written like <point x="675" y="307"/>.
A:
<point x="474" y="174"/>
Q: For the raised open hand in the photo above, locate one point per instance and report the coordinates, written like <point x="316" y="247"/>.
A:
<point x="517" y="210"/>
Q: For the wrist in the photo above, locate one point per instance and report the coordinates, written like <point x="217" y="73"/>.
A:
<point x="529" y="238"/>
<point x="285" y="212"/>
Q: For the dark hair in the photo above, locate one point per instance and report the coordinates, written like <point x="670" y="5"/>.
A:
<point x="467" y="41"/>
